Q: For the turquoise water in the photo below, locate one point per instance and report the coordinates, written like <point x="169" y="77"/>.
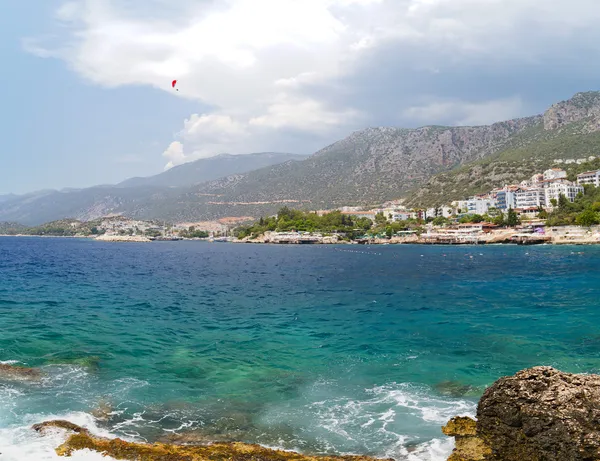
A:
<point x="322" y="349"/>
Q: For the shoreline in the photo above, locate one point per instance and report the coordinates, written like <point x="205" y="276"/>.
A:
<point x="125" y="239"/>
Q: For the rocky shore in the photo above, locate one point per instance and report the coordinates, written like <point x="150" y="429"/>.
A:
<point x="81" y="439"/>
<point x="539" y="414"/>
<point x="122" y="238"/>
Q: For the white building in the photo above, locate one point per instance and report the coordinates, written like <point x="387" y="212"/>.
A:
<point x="589" y="177"/>
<point x="554" y="173"/>
<point x="506" y="198"/>
<point x="461" y="206"/>
<point x="555" y="189"/>
<point x="536" y="179"/>
<point x="401" y="216"/>
<point x="443" y="211"/>
<point x="530" y="197"/>
<point x="478" y="205"/>
<point x="361" y="214"/>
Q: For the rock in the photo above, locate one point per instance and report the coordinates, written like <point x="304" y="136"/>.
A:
<point x="103" y="411"/>
<point x="59" y="424"/>
<point x="469" y="447"/>
<point x="13" y="372"/>
<point x="582" y="107"/>
<point x="196" y="437"/>
<point x="539" y="414"/>
<point x="90" y="362"/>
<point x="120" y="449"/>
<point x="122" y="238"/>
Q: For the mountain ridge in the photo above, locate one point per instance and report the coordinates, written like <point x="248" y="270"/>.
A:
<point x="368" y="167"/>
<point x="569" y="129"/>
<point x="210" y="168"/>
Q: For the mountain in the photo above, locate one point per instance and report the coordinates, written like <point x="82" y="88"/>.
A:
<point x="4" y="198"/>
<point x="428" y="165"/>
<point x="136" y="195"/>
<point x="208" y="169"/>
<point x="567" y="130"/>
<point x="368" y="167"/>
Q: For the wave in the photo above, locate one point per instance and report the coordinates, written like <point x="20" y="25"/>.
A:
<point x="398" y="420"/>
<point x="21" y="443"/>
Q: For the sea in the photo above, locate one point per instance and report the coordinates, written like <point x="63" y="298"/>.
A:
<point x="324" y="349"/>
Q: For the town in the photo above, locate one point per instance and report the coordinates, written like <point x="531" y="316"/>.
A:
<point x="545" y="208"/>
<point x="514" y="213"/>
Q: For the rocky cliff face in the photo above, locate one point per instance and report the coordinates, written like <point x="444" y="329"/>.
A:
<point x="369" y="166"/>
<point x="583" y="107"/>
<point x="540" y="414"/>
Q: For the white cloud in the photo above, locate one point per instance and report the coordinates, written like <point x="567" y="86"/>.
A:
<point x="253" y="61"/>
<point x="467" y="113"/>
<point x="302" y="113"/>
<point x="204" y="136"/>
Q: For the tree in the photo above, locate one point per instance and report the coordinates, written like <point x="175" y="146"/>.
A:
<point x="499" y="219"/>
<point x="380" y="219"/>
<point x="512" y="219"/>
<point x="588" y="218"/>
<point x="493" y="212"/>
<point x="553" y="202"/>
<point x="563" y="203"/>
<point x="364" y="223"/>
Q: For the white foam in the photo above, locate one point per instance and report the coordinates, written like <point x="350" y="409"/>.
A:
<point x="434" y="450"/>
<point x="22" y="443"/>
<point x="431" y="409"/>
<point x="386" y="421"/>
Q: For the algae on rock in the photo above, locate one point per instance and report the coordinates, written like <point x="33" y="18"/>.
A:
<point x="18" y="373"/>
<point x="119" y="449"/>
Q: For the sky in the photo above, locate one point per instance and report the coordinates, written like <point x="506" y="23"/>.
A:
<point x="86" y="88"/>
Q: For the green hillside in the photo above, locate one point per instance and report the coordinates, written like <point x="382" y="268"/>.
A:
<point x="530" y="152"/>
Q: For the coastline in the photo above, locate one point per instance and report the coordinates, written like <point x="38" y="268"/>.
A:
<point x="124" y="239"/>
<point x="567" y="235"/>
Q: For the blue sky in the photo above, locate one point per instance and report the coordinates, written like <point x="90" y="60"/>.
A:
<point x="87" y="99"/>
<point x="60" y="130"/>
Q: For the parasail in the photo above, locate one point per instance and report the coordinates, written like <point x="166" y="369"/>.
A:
<point x="174" y="83"/>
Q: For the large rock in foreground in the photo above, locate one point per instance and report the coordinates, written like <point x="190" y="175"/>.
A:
<point x="540" y="414"/>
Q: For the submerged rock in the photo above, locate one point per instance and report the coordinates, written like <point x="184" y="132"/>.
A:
<point x="90" y="362"/>
<point x="103" y="410"/>
<point x="14" y="372"/>
<point x="540" y="414"/>
<point x="456" y="389"/>
<point x="119" y="449"/>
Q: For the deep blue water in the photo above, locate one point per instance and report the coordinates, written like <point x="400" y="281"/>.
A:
<point x="317" y="348"/>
